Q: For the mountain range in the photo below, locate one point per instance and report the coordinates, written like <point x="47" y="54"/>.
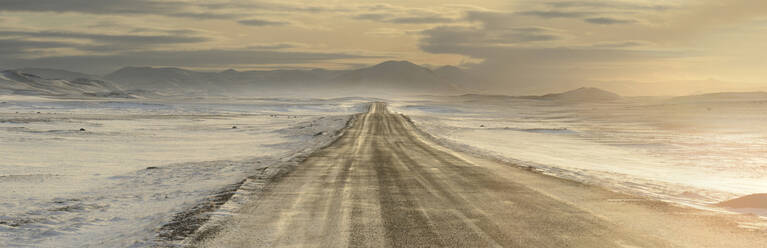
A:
<point x="386" y="77"/>
<point x="395" y="77"/>
<point x="390" y="76"/>
<point x="57" y="83"/>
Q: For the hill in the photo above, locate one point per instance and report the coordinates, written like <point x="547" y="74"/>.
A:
<point x="158" y="78"/>
<point x="17" y="82"/>
<point x="754" y="201"/>
<point x="584" y="94"/>
<point x="390" y="76"/>
<point x="396" y="76"/>
<point x="54" y="73"/>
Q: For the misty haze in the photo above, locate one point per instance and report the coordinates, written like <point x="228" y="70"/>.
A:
<point x="249" y="123"/>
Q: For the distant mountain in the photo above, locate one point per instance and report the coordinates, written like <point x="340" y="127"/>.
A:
<point x="157" y="78"/>
<point x="175" y="80"/>
<point x="460" y="77"/>
<point x="388" y="76"/>
<point x="584" y="94"/>
<point x="722" y="97"/>
<point x="394" y="77"/>
<point x="17" y="82"/>
<point x="288" y="78"/>
<point x="485" y="97"/>
<point x="397" y="75"/>
<point x="449" y="72"/>
<point x="54" y="73"/>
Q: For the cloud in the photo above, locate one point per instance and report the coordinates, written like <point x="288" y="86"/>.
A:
<point x="446" y="39"/>
<point x="420" y="20"/>
<point x="711" y="13"/>
<point x="540" y="56"/>
<point x="522" y="58"/>
<point x="108" y="38"/>
<point x="262" y="22"/>
<point x="93" y="42"/>
<point x="273" y="6"/>
<point x="17" y="47"/>
<point x="170" y="8"/>
<point x="85" y="6"/>
<point x="621" y="44"/>
<point x="406" y="19"/>
<point x="387" y="32"/>
<point x="402" y="15"/>
<point x="594" y="11"/>
<point x="608" y="20"/>
<point x="494" y="31"/>
<point x="608" y="5"/>
<point x="97" y="7"/>
<point x="538" y="70"/>
<point x="275" y="46"/>
<point x="372" y="16"/>
<point x="185" y="58"/>
<point x="556" y="14"/>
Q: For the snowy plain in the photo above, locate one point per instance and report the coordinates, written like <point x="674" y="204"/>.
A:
<point x="138" y="162"/>
<point x="694" y="153"/>
<point x="63" y="187"/>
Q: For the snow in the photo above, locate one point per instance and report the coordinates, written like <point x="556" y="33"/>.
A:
<point x="69" y="188"/>
<point x="17" y="82"/>
<point x="690" y="154"/>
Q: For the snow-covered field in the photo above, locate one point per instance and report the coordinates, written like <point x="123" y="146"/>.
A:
<point x="138" y="162"/>
<point x="689" y="153"/>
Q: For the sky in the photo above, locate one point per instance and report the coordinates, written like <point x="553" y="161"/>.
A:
<point x="633" y="47"/>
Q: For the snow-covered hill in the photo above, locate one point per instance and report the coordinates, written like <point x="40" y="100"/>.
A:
<point x="584" y="94"/>
<point x="399" y="76"/>
<point x="390" y="76"/>
<point x="22" y="83"/>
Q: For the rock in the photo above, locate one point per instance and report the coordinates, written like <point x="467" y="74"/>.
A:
<point x="82" y="129"/>
<point x="152" y="168"/>
<point x="481" y="125"/>
<point x="234" y="127"/>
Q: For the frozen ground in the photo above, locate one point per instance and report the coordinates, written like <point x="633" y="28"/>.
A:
<point x="138" y="162"/>
<point x="689" y="153"/>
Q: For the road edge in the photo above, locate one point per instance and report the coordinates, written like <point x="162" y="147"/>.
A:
<point x="206" y="218"/>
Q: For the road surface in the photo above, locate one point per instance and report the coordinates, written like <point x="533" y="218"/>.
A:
<point x="383" y="185"/>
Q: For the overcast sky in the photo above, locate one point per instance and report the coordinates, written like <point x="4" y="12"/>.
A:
<point x="635" y="47"/>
